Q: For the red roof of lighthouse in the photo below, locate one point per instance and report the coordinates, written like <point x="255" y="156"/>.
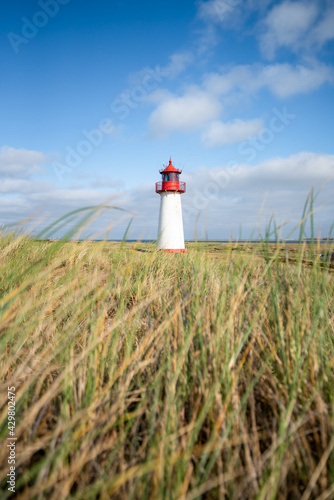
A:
<point x="170" y="168"/>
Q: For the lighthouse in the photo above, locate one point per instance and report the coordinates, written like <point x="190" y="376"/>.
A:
<point x="170" y="230"/>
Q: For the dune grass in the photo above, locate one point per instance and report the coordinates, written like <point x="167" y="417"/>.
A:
<point x="146" y="375"/>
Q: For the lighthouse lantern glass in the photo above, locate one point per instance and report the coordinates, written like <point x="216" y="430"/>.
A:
<point x="170" y="176"/>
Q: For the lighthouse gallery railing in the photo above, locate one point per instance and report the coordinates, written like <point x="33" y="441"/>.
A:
<point x="170" y="186"/>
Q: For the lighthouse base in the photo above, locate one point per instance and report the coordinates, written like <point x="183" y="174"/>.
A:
<point x="173" y="250"/>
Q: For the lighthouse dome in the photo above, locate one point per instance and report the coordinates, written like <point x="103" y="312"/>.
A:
<point x="170" y="180"/>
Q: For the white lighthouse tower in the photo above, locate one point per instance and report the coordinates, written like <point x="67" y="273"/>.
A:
<point x="170" y="231"/>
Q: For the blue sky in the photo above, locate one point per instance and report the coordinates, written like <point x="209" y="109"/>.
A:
<point x="96" y="96"/>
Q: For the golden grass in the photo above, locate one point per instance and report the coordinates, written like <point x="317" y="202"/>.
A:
<point x="146" y="375"/>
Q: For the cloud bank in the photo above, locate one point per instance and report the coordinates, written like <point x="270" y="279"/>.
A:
<point x="227" y="195"/>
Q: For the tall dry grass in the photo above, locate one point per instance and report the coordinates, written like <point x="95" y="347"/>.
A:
<point x="146" y="375"/>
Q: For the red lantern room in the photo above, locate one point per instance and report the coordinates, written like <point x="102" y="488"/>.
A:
<point x="170" y="180"/>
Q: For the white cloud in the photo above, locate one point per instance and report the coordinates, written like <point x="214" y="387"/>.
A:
<point x="20" y="162"/>
<point x="18" y="168"/>
<point x="281" y="79"/>
<point x="159" y="95"/>
<point x="178" y="63"/>
<point x="11" y="186"/>
<point x="219" y="133"/>
<point x="24" y="196"/>
<point x="199" y="106"/>
<point x="101" y="182"/>
<point x="296" y="172"/>
<point x="217" y="11"/>
<point x="232" y="12"/>
<point x="285" y="80"/>
<point x="229" y="197"/>
<point x="324" y="31"/>
<point x="298" y="26"/>
<point x="233" y="197"/>
<point x="286" y="25"/>
<point x="184" y="113"/>
<point x="46" y="207"/>
<point x="292" y="174"/>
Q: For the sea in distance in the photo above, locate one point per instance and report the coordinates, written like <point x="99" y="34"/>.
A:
<point x="308" y="240"/>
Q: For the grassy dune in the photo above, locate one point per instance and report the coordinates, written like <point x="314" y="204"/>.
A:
<point x="146" y="375"/>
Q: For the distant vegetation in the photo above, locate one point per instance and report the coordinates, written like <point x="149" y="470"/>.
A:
<point x="146" y="375"/>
